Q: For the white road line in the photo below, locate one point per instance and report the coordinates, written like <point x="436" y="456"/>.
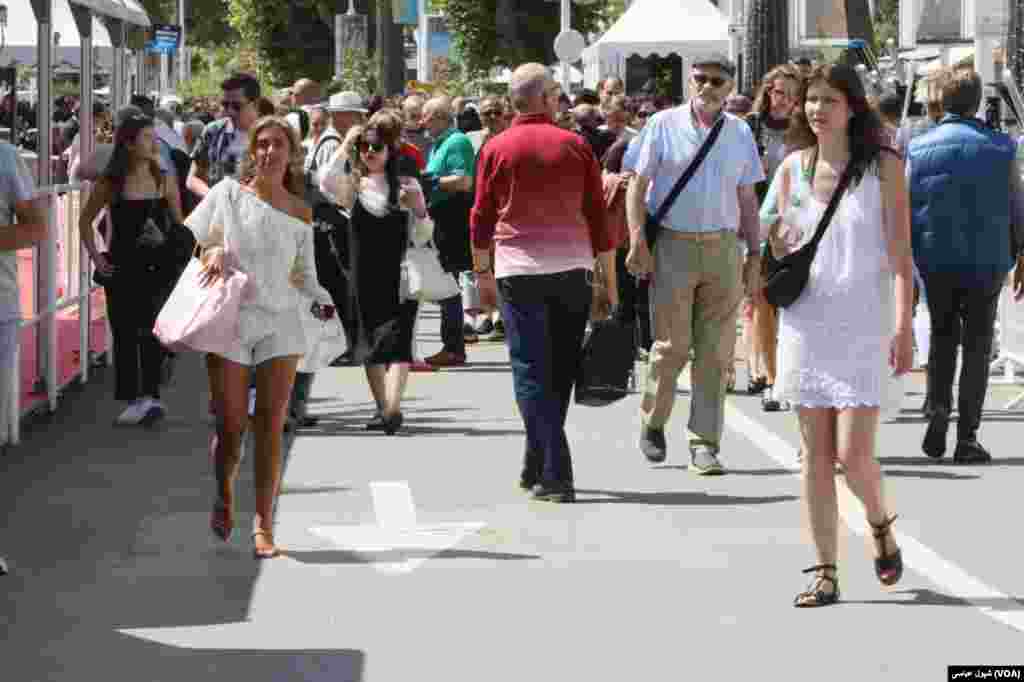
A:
<point x="917" y="556"/>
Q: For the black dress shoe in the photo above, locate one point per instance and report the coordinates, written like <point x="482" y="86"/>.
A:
<point x="971" y="452"/>
<point x="393" y="423"/>
<point x="553" y="492"/>
<point x="934" y="443"/>
<point x="652" y="444"/>
<point x="376" y="424"/>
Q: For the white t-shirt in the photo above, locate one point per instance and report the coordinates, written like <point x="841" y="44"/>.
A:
<point x="16" y="185"/>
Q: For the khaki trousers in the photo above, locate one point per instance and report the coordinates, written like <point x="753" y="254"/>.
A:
<point x="695" y="295"/>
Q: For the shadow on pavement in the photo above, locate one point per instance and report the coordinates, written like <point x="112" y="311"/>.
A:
<point x="338" y="556"/>
<point x="948" y="462"/>
<point x="927" y="597"/>
<point x="674" y="498"/>
<point x="933" y="474"/>
<point x="730" y="471"/>
<point x="108" y="529"/>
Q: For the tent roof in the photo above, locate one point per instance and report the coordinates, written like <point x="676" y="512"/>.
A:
<point x="665" y="27"/>
<point x="22" y="28"/>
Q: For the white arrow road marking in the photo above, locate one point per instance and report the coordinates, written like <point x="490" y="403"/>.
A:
<point x="916" y="555"/>
<point x="397" y="531"/>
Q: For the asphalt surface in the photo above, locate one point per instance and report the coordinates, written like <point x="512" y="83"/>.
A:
<point x="655" y="574"/>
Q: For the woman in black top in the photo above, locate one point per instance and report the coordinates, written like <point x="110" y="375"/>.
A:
<point x="141" y="264"/>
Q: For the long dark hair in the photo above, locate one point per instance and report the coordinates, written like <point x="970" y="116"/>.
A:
<point x="120" y="164"/>
<point x="867" y="133"/>
<point x="386" y="126"/>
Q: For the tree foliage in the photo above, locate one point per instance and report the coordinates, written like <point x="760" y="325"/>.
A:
<point x="489" y="33"/>
<point x="206" y="21"/>
<point x="887" y="23"/>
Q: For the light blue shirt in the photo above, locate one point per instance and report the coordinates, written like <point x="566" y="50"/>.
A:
<point x="710" y="202"/>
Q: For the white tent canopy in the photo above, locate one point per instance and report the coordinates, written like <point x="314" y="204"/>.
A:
<point x="686" y="28"/>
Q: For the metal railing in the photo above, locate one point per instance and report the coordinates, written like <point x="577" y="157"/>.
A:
<point x="62" y="276"/>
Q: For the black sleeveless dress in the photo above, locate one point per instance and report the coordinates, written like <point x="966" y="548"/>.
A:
<point x="385" y="321"/>
<point x="144" y="275"/>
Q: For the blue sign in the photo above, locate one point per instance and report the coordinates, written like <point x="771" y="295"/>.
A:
<point x="164" y="39"/>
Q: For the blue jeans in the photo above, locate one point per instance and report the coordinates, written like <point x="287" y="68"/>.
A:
<point x="452" y="320"/>
<point x="545" y="320"/>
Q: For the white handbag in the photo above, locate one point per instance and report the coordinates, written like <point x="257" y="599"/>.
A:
<point x="425" y="279"/>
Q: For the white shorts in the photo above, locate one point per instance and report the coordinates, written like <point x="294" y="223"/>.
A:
<point x="286" y="340"/>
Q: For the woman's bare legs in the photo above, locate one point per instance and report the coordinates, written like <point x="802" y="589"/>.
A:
<point x="376" y="378"/>
<point x="856" y="434"/>
<point x="274" y="379"/>
<point x="229" y="386"/>
<point x="818" y="441"/>
<point x="397" y="375"/>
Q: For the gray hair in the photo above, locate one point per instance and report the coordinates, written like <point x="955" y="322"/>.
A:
<point x="527" y="86"/>
<point x="165" y="116"/>
<point x="125" y="113"/>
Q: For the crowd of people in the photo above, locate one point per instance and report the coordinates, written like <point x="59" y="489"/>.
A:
<point x="550" y="213"/>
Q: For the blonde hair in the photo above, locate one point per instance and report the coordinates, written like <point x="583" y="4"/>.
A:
<point x="294" y="178"/>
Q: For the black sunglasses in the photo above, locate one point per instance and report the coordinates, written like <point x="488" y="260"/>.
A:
<point x="643" y="114"/>
<point x="375" y="147"/>
<point x="715" y="81"/>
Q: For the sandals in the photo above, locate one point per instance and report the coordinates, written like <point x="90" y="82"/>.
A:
<point x="888" y="567"/>
<point x="221" y="522"/>
<point x="265" y="553"/>
<point x="814" y="596"/>
<point x="756" y="386"/>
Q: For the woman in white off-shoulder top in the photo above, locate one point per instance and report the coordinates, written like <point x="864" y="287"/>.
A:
<point x="262" y="227"/>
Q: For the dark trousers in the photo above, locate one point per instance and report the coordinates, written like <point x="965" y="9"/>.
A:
<point x="138" y="356"/>
<point x="634" y="305"/>
<point x="452" y="322"/>
<point x="964" y="312"/>
<point x="545" y="320"/>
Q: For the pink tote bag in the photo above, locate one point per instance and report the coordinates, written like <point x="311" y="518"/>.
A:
<point x="198" y="318"/>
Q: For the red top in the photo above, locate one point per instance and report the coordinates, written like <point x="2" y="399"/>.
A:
<point x="412" y="151"/>
<point x="539" y="196"/>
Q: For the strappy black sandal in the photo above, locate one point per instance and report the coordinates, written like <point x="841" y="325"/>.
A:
<point x="814" y="596"/>
<point x="888" y="567"/>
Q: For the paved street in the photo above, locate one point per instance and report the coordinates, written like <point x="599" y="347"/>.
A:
<point x="656" y="574"/>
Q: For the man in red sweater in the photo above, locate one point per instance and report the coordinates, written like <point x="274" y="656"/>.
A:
<point x="539" y="199"/>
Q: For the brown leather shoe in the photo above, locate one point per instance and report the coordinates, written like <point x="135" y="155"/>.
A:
<point x="446" y="359"/>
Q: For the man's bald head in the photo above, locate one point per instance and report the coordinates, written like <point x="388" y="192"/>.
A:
<point x="528" y="88"/>
<point x="305" y="92"/>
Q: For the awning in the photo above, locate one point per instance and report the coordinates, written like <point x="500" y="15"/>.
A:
<point x="129" y="11"/>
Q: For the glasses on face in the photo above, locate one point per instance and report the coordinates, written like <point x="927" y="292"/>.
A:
<point x="368" y="147"/>
<point x="715" y="81"/>
<point x="228" y="104"/>
<point x="644" y="114"/>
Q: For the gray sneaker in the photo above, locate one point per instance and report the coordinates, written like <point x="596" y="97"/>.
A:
<point x="704" y="460"/>
<point x="3" y="566"/>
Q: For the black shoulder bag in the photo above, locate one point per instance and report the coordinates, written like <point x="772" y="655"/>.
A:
<point x="786" y="277"/>
<point x="652" y="228"/>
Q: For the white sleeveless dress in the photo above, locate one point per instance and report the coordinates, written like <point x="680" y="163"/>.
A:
<point x="834" y="340"/>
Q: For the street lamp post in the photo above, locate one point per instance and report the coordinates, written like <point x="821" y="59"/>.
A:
<point x="571" y="52"/>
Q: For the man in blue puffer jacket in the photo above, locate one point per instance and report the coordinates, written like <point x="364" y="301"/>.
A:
<point x="966" y="196"/>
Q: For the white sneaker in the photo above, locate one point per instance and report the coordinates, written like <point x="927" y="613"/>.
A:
<point x="134" y="413"/>
<point x="154" y="411"/>
<point x="252" y="402"/>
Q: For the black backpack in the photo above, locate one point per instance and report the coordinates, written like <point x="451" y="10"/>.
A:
<point x="182" y="164"/>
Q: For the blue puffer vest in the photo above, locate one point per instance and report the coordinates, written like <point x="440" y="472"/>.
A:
<point x="960" y="200"/>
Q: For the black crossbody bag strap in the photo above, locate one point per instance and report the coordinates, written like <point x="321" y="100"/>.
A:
<point x="654" y="222"/>
<point x="833" y="203"/>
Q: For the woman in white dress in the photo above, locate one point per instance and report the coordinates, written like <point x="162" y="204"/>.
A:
<point x="267" y="228"/>
<point x="848" y="336"/>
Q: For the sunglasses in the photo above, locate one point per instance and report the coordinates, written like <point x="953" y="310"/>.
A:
<point x="375" y="147"/>
<point x="715" y="81"/>
<point x="237" y="106"/>
<point x="644" y="114"/>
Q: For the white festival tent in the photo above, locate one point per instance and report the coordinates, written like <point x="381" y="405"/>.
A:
<point x="687" y="28"/>
<point x="22" y="30"/>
